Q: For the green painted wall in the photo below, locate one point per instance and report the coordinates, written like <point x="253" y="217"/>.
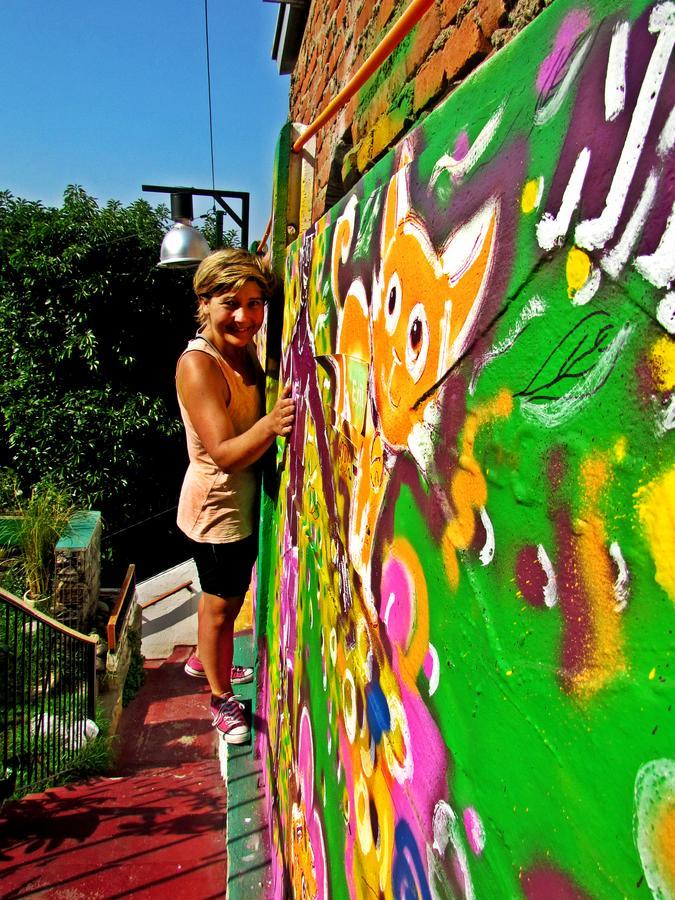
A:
<point x="469" y="665"/>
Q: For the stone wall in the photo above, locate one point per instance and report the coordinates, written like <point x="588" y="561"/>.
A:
<point x="77" y="570"/>
<point x="449" y="42"/>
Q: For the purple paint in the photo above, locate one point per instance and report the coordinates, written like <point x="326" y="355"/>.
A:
<point x="573" y="602"/>
<point x="547" y="883"/>
<point x="530" y="576"/>
<point x="461" y="147"/>
<point x="553" y="66"/>
<point x="605" y="140"/>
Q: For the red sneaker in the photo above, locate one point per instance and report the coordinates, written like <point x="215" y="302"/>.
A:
<point x="194" y="668"/>
<point x="240" y="674"/>
<point x="227" y="715"/>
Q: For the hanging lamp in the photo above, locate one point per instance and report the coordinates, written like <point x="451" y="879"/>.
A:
<point x="183" y="246"/>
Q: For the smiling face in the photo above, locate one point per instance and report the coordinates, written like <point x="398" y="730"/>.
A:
<point x="233" y="319"/>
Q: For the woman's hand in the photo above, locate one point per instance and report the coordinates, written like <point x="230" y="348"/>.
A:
<point x="282" y="416"/>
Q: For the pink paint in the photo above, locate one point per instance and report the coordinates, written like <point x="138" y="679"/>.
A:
<point x="461" y="147"/>
<point x="429" y="767"/>
<point x="397" y="604"/>
<point x="475" y="832"/>
<point x="553" y="66"/>
<point x="306" y="760"/>
<point x="315" y="833"/>
<point x="428" y="665"/>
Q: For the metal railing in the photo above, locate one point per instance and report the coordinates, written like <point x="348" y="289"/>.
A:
<point x="47" y="694"/>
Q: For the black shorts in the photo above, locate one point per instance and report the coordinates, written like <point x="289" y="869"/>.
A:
<point x="225" y="569"/>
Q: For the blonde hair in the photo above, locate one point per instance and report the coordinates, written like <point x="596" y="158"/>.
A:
<point x="226" y="271"/>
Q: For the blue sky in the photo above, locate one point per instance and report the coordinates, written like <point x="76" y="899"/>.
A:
<point x="114" y="95"/>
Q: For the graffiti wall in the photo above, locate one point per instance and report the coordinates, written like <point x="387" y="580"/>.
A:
<point x="469" y="639"/>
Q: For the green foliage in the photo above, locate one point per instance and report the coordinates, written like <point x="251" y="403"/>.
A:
<point x="43" y="514"/>
<point x="136" y="673"/>
<point x="231" y="236"/>
<point x="96" y="757"/>
<point x="90" y="331"/>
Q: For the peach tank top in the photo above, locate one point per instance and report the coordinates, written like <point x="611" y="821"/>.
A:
<point x="216" y="507"/>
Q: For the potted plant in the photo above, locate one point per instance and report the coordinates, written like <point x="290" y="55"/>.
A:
<point x="37" y="521"/>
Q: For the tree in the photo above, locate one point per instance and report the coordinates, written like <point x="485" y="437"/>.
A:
<point x="90" y="331"/>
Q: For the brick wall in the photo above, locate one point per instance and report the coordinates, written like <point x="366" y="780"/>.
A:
<point x="451" y="39"/>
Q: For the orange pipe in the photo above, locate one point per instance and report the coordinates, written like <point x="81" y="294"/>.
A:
<point x="268" y="228"/>
<point x="389" y="42"/>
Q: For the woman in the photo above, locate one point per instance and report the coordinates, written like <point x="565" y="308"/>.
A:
<point x="220" y="393"/>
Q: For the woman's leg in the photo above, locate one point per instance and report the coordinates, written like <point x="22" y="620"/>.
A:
<point x="216" y="618"/>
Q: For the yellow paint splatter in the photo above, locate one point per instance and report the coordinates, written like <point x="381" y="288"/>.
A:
<point x="468" y="488"/>
<point x="656" y="508"/>
<point x="605" y="645"/>
<point x="530" y="196"/>
<point x="652" y="675"/>
<point x="578" y="269"/>
<point x="620" y="449"/>
<point x="662" y="363"/>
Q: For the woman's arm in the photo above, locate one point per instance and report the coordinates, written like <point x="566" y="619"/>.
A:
<point x="204" y="394"/>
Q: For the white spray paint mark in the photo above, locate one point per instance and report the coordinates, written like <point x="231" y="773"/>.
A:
<point x="551" y="107"/>
<point x="533" y="308"/>
<point x="555" y="412"/>
<point x="435" y="676"/>
<point x="551" y="230"/>
<point x="447" y="831"/>
<point x="667" y="422"/>
<point x="665" y="312"/>
<point x="659" y="267"/>
<point x="458" y="168"/>
<point x="615" y="80"/>
<point x="460" y="253"/>
<point x="422" y="439"/>
<point x="443" y="356"/>
<point x="465" y="244"/>
<point x="615" y="259"/>
<point x="654" y="789"/>
<point x="486" y="555"/>
<point x="349" y="705"/>
<point x="551" y="586"/>
<point x="667" y="136"/>
<point x="594" y="233"/>
<point x="586" y="293"/>
<point x="390" y="602"/>
<point x="622" y="578"/>
<point x="540" y="191"/>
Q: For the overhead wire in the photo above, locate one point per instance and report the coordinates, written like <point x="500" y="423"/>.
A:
<point x="208" y="79"/>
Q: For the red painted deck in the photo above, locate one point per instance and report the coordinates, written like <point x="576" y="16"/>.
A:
<point x="156" y="830"/>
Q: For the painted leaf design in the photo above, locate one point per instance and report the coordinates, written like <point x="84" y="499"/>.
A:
<point x="573" y="358"/>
